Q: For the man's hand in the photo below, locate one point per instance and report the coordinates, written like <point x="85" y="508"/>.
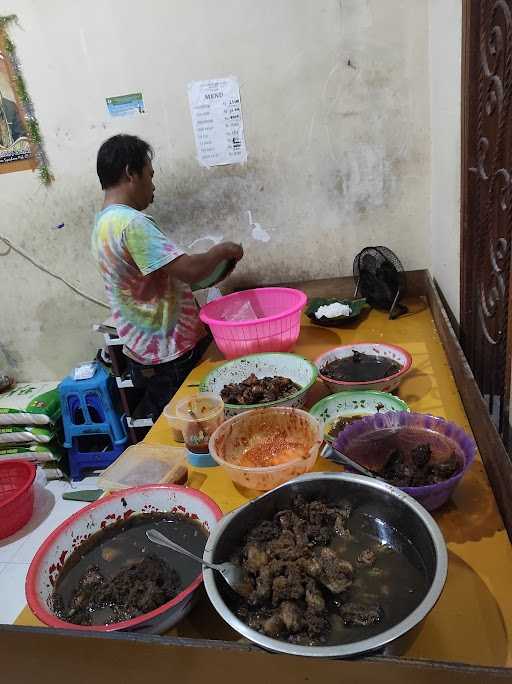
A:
<point x="193" y="268"/>
<point x="233" y="253"/>
<point x="230" y="250"/>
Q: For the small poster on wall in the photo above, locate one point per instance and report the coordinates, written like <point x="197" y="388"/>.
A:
<point x="217" y="121"/>
<point x="125" y="105"/>
<point x="14" y="143"/>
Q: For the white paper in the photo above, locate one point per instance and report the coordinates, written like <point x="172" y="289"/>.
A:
<point x="217" y="121"/>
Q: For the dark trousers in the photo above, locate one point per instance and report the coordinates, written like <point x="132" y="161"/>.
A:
<point x="161" y="382"/>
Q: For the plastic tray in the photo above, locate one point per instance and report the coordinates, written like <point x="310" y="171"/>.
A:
<point x="145" y="464"/>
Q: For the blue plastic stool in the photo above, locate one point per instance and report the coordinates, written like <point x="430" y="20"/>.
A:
<point x="81" y="460"/>
<point x="87" y="408"/>
<point x="94" y="433"/>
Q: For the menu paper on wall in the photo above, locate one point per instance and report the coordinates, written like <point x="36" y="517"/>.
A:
<point x="217" y="121"/>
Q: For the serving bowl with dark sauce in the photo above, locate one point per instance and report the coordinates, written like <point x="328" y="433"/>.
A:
<point x="391" y="445"/>
<point x="117" y="574"/>
<point x="106" y="538"/>
<point x="360" y="367"/>
<point x="369" y="366"/>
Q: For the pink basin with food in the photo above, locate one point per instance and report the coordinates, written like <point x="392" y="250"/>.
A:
<point x="51" y="556"/>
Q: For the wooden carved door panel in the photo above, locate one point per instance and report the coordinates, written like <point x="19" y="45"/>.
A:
<point x="487" y="201"/>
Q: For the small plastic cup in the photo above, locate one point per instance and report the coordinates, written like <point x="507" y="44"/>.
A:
<point x="197" y="418"/>
<point x="170" y="415"/>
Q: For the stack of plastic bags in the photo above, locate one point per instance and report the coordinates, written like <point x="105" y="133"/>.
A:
<point x="29" y="419"/>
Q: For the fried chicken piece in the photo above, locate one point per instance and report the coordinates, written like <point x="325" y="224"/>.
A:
<point x="284" y="547"/>
<point x="439" y="472"/>
<point x="285" y="519"/>
<point x="317" y="625"/>
<point x="315" y="602"/>
<point x="288" y="586"/>
<point x="265" y="531"/>
<point x="268" y="622"/>
<point x="420" y="455"/>
<point x="255" y="558"/>
<point x="327" y="568"/>
<point x="394" y="464"/>
<point x="263" y="589"/>
<point x="319" y="535"/>
<point x="367" y="557"/>
<point x="291" y="615"/>
<point x="343" y="509"/>
<point x="273" y="625"/>
<point x="335" y="574"/>
<point x="92" y="577"/>
<point x="89" y="583"/>
<point x="317" y="512"/>
<point x="311" y="566"/>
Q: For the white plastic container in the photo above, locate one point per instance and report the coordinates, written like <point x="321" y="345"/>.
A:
<point x="143" y="464"/>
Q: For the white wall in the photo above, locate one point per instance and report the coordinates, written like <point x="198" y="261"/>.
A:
<point x="339" y="154"/>
<point x="445" y="107"/>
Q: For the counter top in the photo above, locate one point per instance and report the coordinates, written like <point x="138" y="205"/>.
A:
<point x="473" y="619"/>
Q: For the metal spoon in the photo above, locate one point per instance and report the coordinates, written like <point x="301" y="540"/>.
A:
<point x="233" y="574"/>
<point x="340" y="458"/>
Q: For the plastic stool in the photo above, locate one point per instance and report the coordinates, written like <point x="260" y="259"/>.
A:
<point x="87" y="408"/>
<point x="81" y="460"/>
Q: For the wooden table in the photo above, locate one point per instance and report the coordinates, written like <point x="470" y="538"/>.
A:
<point x="473" y="619"/>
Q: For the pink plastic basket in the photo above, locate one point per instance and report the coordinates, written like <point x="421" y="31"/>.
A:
<point x="262" y="320"/>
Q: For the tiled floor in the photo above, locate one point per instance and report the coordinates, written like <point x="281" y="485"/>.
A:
<point x="17" y="551"/>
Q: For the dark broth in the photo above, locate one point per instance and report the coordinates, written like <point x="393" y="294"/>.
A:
<point x="122" y="544"/>
<point x="396" y="582"/>
<point x="361" y="368"/>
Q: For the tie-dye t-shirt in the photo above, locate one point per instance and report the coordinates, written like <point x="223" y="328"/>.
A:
<point x="155" y="315"/>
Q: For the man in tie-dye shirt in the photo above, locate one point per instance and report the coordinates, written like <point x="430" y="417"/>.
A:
<point x="147" y="277"/>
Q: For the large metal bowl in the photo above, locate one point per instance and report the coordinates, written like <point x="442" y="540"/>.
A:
<point x="394" y="514"/>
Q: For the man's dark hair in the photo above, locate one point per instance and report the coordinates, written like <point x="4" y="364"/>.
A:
<point x="118" y="153"/>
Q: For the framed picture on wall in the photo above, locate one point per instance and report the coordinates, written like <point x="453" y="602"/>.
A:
<point x="16" y="153"/>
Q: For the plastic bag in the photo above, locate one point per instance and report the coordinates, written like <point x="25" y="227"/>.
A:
<point x="39" y="453"/>
<point x="20" y="434"/>
<point x="238" y="312"/>
<point x="30" y="404"/>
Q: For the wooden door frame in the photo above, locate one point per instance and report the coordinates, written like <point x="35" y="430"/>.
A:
<point x="465" y="300"/>
<point x="469" y="61"/>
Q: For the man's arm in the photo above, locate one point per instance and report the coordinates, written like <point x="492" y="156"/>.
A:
<point x="191" y="268"/>
<point x="152" y="250"/>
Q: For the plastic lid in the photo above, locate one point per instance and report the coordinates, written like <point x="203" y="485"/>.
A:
<point x="145" y="464"/>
